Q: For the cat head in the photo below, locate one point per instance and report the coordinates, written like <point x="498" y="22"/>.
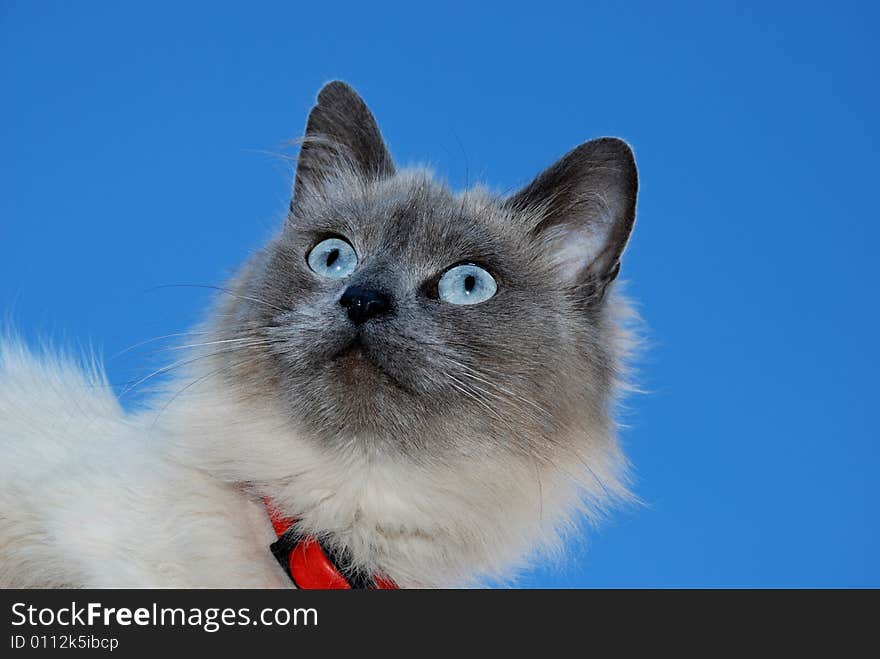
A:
<point x="397" y="318"/>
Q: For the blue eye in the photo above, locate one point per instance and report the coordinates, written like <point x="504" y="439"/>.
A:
<point x="333" y="258"/>
<point x="466" y="284"/>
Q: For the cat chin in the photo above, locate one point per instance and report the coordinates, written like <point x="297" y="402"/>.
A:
<point x="438" y="522"/>
<point x="359" y="371"/>
<point x="138" y="499"/>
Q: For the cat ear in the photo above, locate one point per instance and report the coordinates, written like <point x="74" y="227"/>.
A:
<point x="341" y="136"/>
<point x="582" y="209"/>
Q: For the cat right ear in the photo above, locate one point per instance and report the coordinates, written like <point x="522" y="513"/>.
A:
<point x="581" y="210"/>
<point x="341" y="137"/>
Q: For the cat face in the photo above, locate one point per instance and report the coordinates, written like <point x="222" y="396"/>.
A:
<point x="397" y="314"/>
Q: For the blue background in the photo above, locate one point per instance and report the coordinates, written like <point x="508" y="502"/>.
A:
<point x="139" y="149"/>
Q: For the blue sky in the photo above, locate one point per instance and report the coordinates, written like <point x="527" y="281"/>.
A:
<point x="137" y="151"/>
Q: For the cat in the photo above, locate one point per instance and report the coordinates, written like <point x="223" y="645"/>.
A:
<point x="420" y="380"/>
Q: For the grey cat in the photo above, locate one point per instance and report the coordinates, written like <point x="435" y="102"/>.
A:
<point x="423" y="380"/>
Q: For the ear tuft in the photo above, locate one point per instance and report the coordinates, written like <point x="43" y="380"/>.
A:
<point x="341" y="136"/>
<point x="582" y="209"/>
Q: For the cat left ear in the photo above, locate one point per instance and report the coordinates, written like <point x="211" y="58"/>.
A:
<point x="341" y="137"/>
<point x="582" y="208"/>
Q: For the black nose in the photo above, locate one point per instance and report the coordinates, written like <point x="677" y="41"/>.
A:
<point x="363" y="303"/>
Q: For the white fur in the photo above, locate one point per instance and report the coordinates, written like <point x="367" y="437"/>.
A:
<point x="170" y="496"/>
<point x="88" y="498"/>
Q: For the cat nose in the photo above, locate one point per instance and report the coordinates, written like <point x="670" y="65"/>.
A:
<point x="364" y="303"/>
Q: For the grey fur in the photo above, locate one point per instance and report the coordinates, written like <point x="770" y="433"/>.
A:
<point x="527" y="372"/>
<point x="434" y="444"/>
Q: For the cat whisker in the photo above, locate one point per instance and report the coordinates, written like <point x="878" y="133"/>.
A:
<point x="195" y="382"/>
<point x="496" y="390"/>
<point x="477" y="375"/>
<point x="153" y="340"/>
<point x="249" y="341"/>
<point x="462" y="387"/>
<point x="178" y="364"/>
<point x="226" y="291"/>
<point x="474" y="394"/>
<point x="540" y="491"/>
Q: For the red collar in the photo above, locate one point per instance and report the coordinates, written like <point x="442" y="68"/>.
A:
<point x="310" y="565"/>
